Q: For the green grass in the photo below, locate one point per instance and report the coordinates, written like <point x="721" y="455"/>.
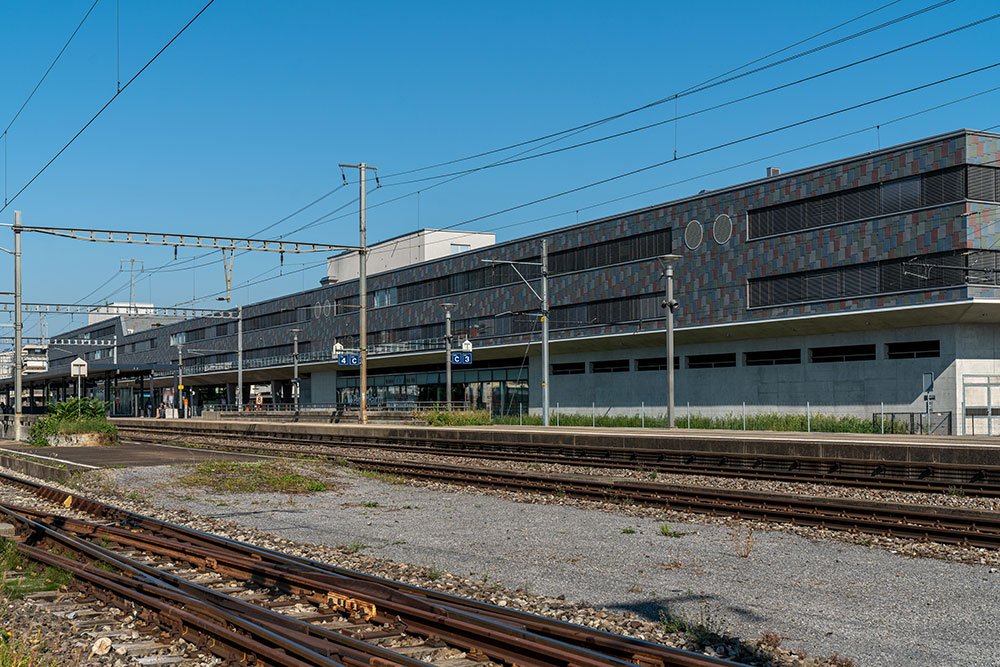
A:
<point x="370" y="503"/>
<point x="756" y="422"/>
<point x="629" y="530"/>
<point x="20" y="577"/>
<point x="237" y="477"/>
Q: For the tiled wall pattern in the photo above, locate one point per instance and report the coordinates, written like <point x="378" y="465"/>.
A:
<point x="711" y="280"/>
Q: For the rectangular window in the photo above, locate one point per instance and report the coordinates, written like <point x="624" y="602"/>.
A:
<point x="459" y="247"/>
<point x="612" y="366"/>
<point x="926" y="272"/>
<point x="569" y="368"/>
<point x="656" y="364"/>
<point x="724" y="360"/>
<point x="178" y="338"/>
<point x="385" y="297"/>
<point x="869" y="201"/>
<point x="828" y="355"/>
<point x="772" y="357"/>
<point x="913" y="350"/>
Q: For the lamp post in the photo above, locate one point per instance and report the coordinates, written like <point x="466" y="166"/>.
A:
<point x="670" y="304"/>
<point x="295" y="366"/>
<point x="180" y="381"/>
<point x="447" y="351"/>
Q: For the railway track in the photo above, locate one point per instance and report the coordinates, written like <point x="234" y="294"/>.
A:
<point x="918" y="522"/>
<point x="249" y="605"/>
<point x="895" y="476"/>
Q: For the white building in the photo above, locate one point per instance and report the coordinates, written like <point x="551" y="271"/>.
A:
<point x="412" y="248"/>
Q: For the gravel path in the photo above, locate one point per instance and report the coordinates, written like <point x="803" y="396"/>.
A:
<point x="823" y="596"/>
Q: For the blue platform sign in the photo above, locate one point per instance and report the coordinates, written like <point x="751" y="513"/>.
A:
<point x="461" y="357"/>
<point x="349" y="359"/>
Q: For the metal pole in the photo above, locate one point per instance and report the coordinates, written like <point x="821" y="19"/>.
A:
<point x="883" y="416"/>
<point x="642" y="414"/>
<point x="593" y="414"/>
<point x="239" y="359"/>
<point x="808" y="418"/>
<point x="545" y="333"/>
<point x="296" y="387"/>
<point x="363" y="296"/>
<point x="447" y="352"/>
<point x="744" y="415"/>
<point x="670" y="345"/>
<point x="18" y="326"/>
<point x="180" y="381"/>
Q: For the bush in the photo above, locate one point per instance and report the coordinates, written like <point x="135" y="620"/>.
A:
<point x="755" y="422"/>
<point x="457" y="418"/>
<point x="77" y="415"/>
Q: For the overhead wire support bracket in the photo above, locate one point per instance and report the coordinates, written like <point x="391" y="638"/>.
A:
<point x="186" y="240"/>
<point x="104" y="309"/>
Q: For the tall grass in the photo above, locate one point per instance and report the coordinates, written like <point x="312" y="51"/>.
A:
<point x="755" y="422"/>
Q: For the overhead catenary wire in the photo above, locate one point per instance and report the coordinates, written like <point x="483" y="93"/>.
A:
<point x="181" y="265"/>
<point x="714" y="107"/>
<point x="697" y="88"/>
<point x="746" y="163"/>
<point x="4" y="135"/>
<point x="103" y="108"/>
<point x="726" y="144"/>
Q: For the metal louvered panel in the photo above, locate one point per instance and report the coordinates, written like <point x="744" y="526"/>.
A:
<point x="943" y="186"/>
<point x="982" y="183"/>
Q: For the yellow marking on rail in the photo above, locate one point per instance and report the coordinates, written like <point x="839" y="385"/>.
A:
<point x="354" y="606"/>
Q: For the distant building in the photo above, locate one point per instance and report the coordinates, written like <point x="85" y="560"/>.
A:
<point x="411" y="248"/>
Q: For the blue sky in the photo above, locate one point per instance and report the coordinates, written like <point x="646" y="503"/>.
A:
<point x="245" y="117"/>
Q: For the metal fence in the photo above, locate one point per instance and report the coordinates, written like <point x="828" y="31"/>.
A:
<point x="932" y="423"/>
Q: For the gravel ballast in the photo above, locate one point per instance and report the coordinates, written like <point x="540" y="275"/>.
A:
<point x="822" y="596"/>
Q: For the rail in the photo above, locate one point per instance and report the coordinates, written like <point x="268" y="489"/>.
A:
<point x="219" y="622"/>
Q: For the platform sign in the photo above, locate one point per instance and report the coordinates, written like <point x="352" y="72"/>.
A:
<point x="349" y="359"/>
<point x="928" y="382"/>
<point x="460" y="358"/>
<point x="78" y="368"/>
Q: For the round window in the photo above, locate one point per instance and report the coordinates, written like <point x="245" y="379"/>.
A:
<point x="693" y="234"/>
<point x="722" y="230"/>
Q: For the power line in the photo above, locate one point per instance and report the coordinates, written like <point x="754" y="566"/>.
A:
<point x="726" y="144"/>
<point x="697" y="88"/>
<point x="51" y="65"/>
<point x="106" y="105"/>
<point x="714" y="107"/>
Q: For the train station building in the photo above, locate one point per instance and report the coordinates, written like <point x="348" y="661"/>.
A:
<point x="844" y="286"/>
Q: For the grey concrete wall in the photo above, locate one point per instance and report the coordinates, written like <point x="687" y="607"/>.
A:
<point x="323" y="387"/>
<point x="841" y="388"/>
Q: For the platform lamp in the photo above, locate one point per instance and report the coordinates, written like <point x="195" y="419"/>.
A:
<point x="296" y="385"/>
<point x="448" y="307"/>
<point x="670" y="304"/>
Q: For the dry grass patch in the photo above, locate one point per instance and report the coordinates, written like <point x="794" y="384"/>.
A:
<point x="238" y="477"/>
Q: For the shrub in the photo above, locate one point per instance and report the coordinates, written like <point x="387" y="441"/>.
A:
<point x="77" y="415"/>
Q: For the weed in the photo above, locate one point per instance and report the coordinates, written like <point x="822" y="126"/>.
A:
<point x="433" y="572"/>
<point x="955" y="492"/>
<point x="653" y="475"/>
<point x="635" y="587"/>
<point x="702" y="630"/>
<point x="524" y="588"/>
<point x="237" y="477"/>
<point x="742" y="539"/>
<point x="355" y="547"/>
<point x="386" y="477"/>
<point x="560" y="492"/>
<point x="369" y="503"/>
<point x="20" y="577"/>
<point x="667" y="531"/>
<point x="628" y="530"/>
